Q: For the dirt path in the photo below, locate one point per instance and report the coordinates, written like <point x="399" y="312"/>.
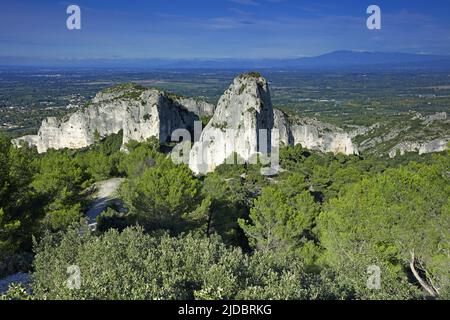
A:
<point x="105" y="196"/>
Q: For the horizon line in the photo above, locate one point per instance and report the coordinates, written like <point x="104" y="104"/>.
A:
<point x="62" y="59"/>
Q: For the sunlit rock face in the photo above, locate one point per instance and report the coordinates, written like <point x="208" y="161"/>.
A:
<point x="437" y="145"/>
<point x="313" y="134"/>
<point x="410" y="132"/>
<point x="199" y="107"/>
<point x="243" y="123"/>
<point x="281" y="122"/>
<point x="243" y="110"/>
<point x="140" y="113"/>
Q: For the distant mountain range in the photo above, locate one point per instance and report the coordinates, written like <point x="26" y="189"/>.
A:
<point x="337" y="60"/>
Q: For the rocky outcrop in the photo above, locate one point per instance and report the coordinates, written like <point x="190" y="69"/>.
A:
<point x="437" y="145"/>
<point x="316" y="137"/>
<point x="244" y="110"/>
<point x="141" y="113"/>
<point x="199" y="107"/>
<point x="241" y="124"/>
<point x="313" y="134"/>
<point x="282" y="123"/>
<point x="405" y="133"/>
<point x="440" y="116"/>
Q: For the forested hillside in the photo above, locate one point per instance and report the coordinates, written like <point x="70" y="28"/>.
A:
<point x="311" y="232"/>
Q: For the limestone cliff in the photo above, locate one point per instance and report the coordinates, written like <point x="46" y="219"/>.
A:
<point x="245" y="109"/>
<point x="436" y="138"/>
<point x="436" y="145"/>
<point x="141" y="113"/>
<point x="313" y="134"/>
<point x="403" y="133"/>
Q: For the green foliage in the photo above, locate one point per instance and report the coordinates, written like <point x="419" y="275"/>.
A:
<point x="279" y="221"/>
<point x="16" y="292"/>
<point x="111" y="219"/>
<point x="97" y="166"/>
<point x="227" y="205"/>
<point x="163" y="197"/>
<point x="135" y="265"/>
<point x="101" y="161"/>
<point x="4" y="166"/>
<point x="327" y="175"/>
<point x="282" y="276"/>
<point x="130" y="91"/>
<point x="394" y="220"/>
<point x="310" y="232"/>
<point x="251" y="74"/>
<point x="291" y="156"/>
<point x="111" y="144"/>
<point x="140" y="157"/>
<point x="60" y="181"/>
<point x="58" y="172"/>
<point x="220" y="125"/>
<point x="96" y="136"/>
<point x="205" y="120"/>
<point x="19" y="209"/>
<point x="242" y="88"/>
<point x="62" y="215"/>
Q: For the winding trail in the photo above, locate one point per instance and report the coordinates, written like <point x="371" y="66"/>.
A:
<point x="104" y="197"/>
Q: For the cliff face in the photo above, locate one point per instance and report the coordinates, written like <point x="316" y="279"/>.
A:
<point x="198" y="107"/>
<point x="140" y="113"/>
<point x="437" y="145"/>
<point x="405" y="133"/>
<point x="242" y="123"/>
<point x="313" y="134"/>
<point x="245" y="109"/>
<point x="436" y="139"/>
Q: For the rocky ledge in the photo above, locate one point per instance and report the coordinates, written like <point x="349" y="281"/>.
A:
<point x="242" y="112"/>
<point x="141" y="113"/>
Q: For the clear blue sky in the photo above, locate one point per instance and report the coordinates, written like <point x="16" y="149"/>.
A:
<point x="220" y="28"/>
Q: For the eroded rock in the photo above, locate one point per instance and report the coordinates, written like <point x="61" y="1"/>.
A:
<point x="141" y="113"/>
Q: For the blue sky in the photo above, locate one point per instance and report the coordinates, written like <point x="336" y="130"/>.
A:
<point x="220" y="28"/>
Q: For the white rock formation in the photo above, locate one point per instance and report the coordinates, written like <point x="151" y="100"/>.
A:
<point x="196" y="106"/>
<point x="414" y="133"/>
<point x="140" y="113"/>
<point x="437" y="145"/>
<point x="235" y="127"/>
<point x="313" y="134"/>
<point x="243" y="110"/>
<point x="281" y="122"/>
<point x="440" y="116"/>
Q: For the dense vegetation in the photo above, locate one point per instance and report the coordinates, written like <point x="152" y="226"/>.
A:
<point x="311" y="232"/>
